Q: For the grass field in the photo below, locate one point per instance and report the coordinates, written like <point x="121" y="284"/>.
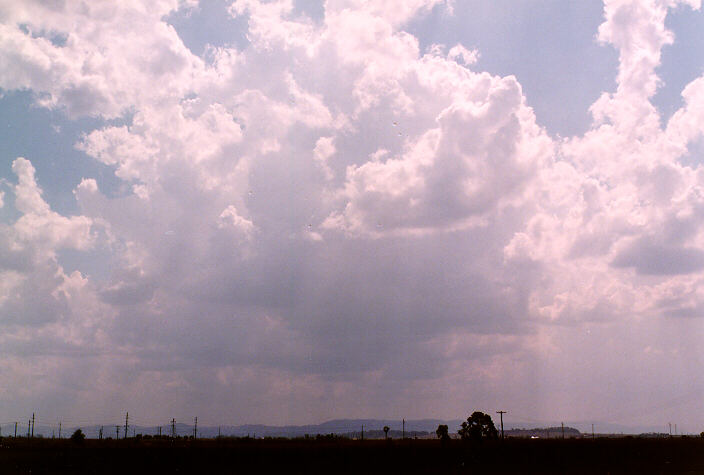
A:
<point x="126" y="457"/>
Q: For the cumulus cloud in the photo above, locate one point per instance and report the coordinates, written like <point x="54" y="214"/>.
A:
<point x="43" y="310"/>
<point x="328" y="209"/>
<point x="40" y="227"/>
<point x="620" y="202"/>
<point x="92" y="72"/>
<point x="482" y="152"/>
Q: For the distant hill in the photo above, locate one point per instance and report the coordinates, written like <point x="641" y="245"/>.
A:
<point x="544" y="433"/>
<point x="372" y="428"/>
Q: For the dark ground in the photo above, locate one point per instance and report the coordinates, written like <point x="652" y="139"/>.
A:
<point x="581" y="456"/>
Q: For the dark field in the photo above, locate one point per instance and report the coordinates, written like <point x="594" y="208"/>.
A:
<point x="623" y="455"/>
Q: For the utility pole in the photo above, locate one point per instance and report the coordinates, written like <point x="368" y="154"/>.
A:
<point x="100" y="434"/>
<point x="563" y="430"/>
<point x="592" y="431"/>
<point x="117" y="432"/>
<point x="362" y="431"/>
<point x="173" y="428"/>
<point x="501" y="415"/>
<point x="670" y="424"/>
<point x="33" y="426"/>
<point x="195" y="427"/>
<point x="59" y="429"/>
<point x="127" y="417"/>
<point x="218" y="432"/>
<point x="403" y="429"/>
<point x="15" y="430"/>
<point x="675" y="429"/>
<point x="159" y="431"/>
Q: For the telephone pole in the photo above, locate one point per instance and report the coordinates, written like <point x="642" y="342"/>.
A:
<point x="100" y="434"/>
<point x="563" y="429"/>
<point x="362" y="431"/>
<point x="403" y="430"/>
<point x="670" y="424"/>
<point x="592" y="431"/>
<point x="33" y="426"/>
<point x="15" y="430"/>
<point x="501" y="415"/>
<point x="127" y="416"/>
<point x="117" y="432"/>
<point x="173" y="428"/>
<point x="195" y="427"/>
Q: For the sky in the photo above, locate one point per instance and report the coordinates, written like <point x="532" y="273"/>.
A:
<point x="290" y="211"/>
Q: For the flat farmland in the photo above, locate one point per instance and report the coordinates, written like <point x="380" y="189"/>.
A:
<point x="618" y="455"/>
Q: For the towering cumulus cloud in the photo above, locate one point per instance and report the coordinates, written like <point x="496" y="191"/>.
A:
<point x="331" y="220"/>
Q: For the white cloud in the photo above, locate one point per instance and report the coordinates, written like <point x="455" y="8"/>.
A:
<point x="460" y="52"/>
<point x="481" y="153"/>
<point x="395" y="12"/>
<point x="92" y="71"/>
<point x="637" y="29"/>
<point x="685" y="125"/>
<point x="39" y="226"/>
<point x="620" y="205"/>
<point x="230" y="217"/>
<point x="328" y="209"/>
<point x="324" y="149"/>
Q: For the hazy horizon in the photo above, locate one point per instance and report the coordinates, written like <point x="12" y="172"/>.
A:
<point x="291" y="211"/>
<point x="42" y="428"/>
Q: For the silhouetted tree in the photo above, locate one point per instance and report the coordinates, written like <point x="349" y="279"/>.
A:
<point x="442" y="432"/>
<point x="386" y="432"/>
<point x="78" y="436"/>
<point x="478" y="426"/>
